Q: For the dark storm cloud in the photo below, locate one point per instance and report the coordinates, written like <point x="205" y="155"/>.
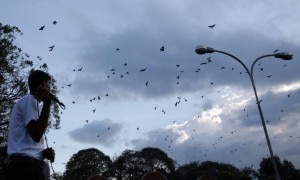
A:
<point x="140" y="50"/>
<point x="97" y="132"/>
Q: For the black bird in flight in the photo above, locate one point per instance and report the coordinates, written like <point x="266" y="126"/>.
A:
<point x="143" y="70"/>
<point x="162" y="49"/>
<point x="212" y="26"/>
<point x="42" y="28"/>
<point x="39" y="57"/>
<point x="117" y="49"/>
<point x="54" y="22"/>
<point x="276" y="50"/>
<point x="51" y="48"/>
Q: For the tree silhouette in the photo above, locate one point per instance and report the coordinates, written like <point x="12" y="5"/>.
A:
<point x="192" y="170"/>
<point x="189" y="171"/>
<point x="157" y="160"/>
<point x="247" y="173"/>
<point x="286" y="169"/>
<point x="134" y="164"/>
<point x="86" y="163"/>
<point x="124" y="166"/>
<point x="12" y="80"/>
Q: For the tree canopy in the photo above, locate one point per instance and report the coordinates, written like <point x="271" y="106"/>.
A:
<point x="286" y="169"/>
<point x="134" y="165"/>
<point x="86" y="163"/>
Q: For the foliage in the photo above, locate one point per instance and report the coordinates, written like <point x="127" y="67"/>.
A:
<point x="286" y="169"/>
<point x="12" y="84"/>
<point x="157" y="160"/>
<point x="188" y="171"/>
<point x="86" y="163"/>
<point x="134" y="164"/>
<point x="193" y="170"/>
<point x="248" y="173"/>
<point x="124" y="166"/>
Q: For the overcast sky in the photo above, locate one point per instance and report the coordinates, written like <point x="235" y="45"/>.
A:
<point x="126" y="93"/>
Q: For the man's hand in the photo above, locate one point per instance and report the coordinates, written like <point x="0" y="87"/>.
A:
<point x="49" y="154"/>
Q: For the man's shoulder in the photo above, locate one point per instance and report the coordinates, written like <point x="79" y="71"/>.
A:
<point x="24" y="101"/>
<point x="26" y="98"/>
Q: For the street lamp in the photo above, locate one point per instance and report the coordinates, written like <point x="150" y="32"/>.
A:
<point x="284" y="56"/>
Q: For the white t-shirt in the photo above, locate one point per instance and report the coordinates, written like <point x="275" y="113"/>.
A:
<point x="19" y="139"/>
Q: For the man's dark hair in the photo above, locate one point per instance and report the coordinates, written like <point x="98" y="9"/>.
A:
<point x="36" y="78"/>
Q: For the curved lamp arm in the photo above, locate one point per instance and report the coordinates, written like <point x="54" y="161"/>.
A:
<point x="257" y="59"/>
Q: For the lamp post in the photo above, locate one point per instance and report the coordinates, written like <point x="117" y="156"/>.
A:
<point x="284" y="56"/>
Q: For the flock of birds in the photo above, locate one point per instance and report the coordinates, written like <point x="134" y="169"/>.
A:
<point x="169" y="140"/>
<point x="113" y="72"/>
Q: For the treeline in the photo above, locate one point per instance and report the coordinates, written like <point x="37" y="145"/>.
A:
<point x="132" y="165"/>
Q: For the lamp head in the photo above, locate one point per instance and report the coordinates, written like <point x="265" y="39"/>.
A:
<point x="284" y="55"/>
<point x="203" y="49"/>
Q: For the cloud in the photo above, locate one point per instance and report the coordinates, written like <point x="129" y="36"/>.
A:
<point x="232" y="132"/>
<point x="103" y="132"/>
<point x="139" y="48"/>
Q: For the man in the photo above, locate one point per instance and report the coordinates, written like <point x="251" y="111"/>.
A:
<point x="26" y="151"/>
